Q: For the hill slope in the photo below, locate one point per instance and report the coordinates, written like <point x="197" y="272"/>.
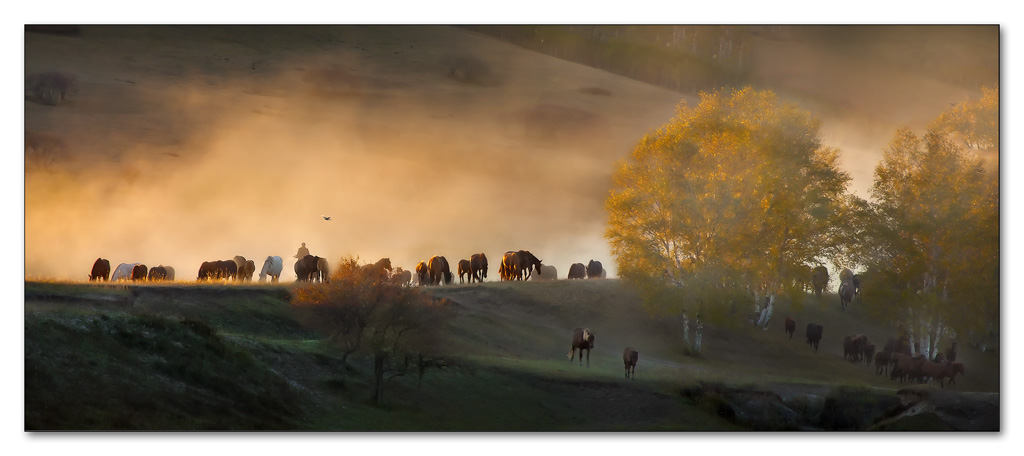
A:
<point x="234" y="357"/>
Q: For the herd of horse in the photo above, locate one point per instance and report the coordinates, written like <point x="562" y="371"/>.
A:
<point x="896" y="357"/>
<point x="237" y="268"/>
<point x="514" y="265"/>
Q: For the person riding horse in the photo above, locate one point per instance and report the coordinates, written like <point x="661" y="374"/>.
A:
<point x="303" y="251"/>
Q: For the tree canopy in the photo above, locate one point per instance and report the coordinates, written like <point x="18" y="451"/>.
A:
<point x="735" y="194"/>
<point x="932" y="241"/>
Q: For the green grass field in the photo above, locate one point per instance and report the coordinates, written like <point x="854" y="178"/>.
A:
<point x="191" y="356"/>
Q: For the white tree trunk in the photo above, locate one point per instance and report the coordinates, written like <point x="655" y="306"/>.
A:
<point x="935" y="338"/>
<point x="697" y="335"/>
<point x="910" y="337"/>
<point x="686" y="330"/>
<point x="766" y="313"/>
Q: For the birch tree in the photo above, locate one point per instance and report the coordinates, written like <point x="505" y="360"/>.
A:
<point x="729" y="202"/>
<point x="933" y="258"/>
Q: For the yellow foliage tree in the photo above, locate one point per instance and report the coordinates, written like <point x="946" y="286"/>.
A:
<point x="733" y="197"/>
<point x="933" y="238"/>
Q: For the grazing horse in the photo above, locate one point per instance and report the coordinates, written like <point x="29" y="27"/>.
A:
<point x="439" y="270"/>
<point x="846" y="292"/>
<point x="227" y="269"/>
<point x="422" y="273"/>
<point x="246" y="271"/>
<point x="464" y="270"/>
<point x="381" y="269"/>
<point x="882" y="362"/>
<point x="819" y="280"/>
<point x="526" y="261"/>
<point x="402" y="276"/>
<point x="208" y="270"/>
<point x="582" y="339"/>
<point x="547" y="272"/>
<point x="124" y="271"/>
<point x="577" y="271"/>
<point x="100" y="270"/>
<point x="594" y="270"/>
<point x="955" y="368"/>
<point x="790" y="326"/>
<point x="140" y="272"/>
<point x="509" y="266"/>
<point x="323" y="270"/>
<point x="869" y="352"/>
<point x="157" y="273"/>
<point x="272" y="267"/>
<point x="629" y="358"/>
<point x="306" y="268"/>
<point x="813" y="333"/>
<point x="853" y="347"/>
<point x="477" y="267"/>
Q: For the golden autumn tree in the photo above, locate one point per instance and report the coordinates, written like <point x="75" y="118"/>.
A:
<point x="734" y="197"/>
<point x="932" y="250"/>
<point x="973" y="124"/>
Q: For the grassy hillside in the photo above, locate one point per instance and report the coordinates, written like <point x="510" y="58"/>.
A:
<point x="190" y="356"/>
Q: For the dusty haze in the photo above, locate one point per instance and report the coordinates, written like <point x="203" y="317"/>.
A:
<point x="201" y="143"/>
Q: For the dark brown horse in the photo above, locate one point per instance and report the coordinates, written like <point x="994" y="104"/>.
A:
<point x="227" y="269"/>
<point x="422" y="273"/>
<point x="790" y="326"/>
<point x="100" y="270"/>
<point x="629" y="358"/>
<point x="577" y="271"/>
<point x="582" y="339"/>
<point x="464" y="270"/>
<point x="140" y="272"/>
<point x="439" y="270"/>
<point x="157" y="273"/>
<point x="306" y="269"/>
<point x="477" y="267"/>
<point x="594" y="270"/>
<point x="208" y="270"/>
<point x="509" y="266"/>
<point x="527" y="262"/>
<point x="380" y="269"/>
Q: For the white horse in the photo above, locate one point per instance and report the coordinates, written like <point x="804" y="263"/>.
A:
<point x="272" y="267"/>
<point x="123" y="272"/>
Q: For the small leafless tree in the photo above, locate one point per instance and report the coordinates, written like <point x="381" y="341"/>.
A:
<point x="399" y="327"/>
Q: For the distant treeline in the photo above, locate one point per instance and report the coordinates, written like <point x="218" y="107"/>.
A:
<point x="691" y="58"/>
<point x="684" y="58"/>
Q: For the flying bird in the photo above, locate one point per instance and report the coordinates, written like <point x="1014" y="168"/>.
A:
<point x="326" y="217"/>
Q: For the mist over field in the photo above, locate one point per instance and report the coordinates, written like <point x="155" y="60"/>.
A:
<point x="189" y="144"/>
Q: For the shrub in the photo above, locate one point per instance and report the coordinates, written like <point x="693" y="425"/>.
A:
<point x="469" y="69"/>
<point x="43" y="149"/>
<point x="49" y="88"/>
<point x="400" y="327"/>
